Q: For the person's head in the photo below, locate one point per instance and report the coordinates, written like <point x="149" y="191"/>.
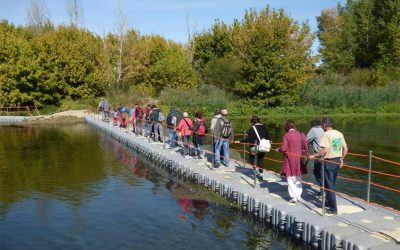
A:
<point x="137" y="105"/>
<point x="153" y="106"/>
<point x="315" y="122"/>
<point x="289" y="125"/>
<point x="172" y="110"/>
<point x="224" y="112"/>
<point x="217" y="112"/>
<point x="185" y="114"/>
<point x="199" y="115"/>
<point x="326" y="123"/>
<point x="149" y="105"/>
<point x="255" y="119"/>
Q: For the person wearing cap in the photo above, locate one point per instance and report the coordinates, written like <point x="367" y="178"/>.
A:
<point x="185" y="129"/>
<point x="256" y="133"/>
<point x="223" y="132"/>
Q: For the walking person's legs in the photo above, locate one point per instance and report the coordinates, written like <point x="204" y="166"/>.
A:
<point x="331" y="171"/>
<point x="218" y="146"/>
<point x="225" y="144"/>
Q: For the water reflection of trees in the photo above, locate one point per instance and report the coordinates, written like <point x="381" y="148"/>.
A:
<point x="61" y="161"/>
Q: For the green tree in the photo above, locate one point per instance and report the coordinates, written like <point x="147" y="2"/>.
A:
<point x="275" y="54"/>
<point x="211" y="44"/>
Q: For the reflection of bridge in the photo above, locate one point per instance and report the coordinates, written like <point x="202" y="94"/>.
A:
<point x="358" y="225"/>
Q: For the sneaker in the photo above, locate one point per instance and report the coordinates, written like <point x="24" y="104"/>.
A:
<point x="294" y="200"/>
<point x="225" y="164"/>
<point x="259" y="176"/>
<point x="216" y="165"/>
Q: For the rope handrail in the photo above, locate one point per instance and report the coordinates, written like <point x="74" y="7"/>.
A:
<point x="314" y="185"/>
<point x="253" y="144"/>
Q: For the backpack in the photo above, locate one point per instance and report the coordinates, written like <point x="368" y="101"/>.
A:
<point x="170" y="119"/>
<point x="202" y="130"/>
<point x="160" y="116"/>
<point x="155" y="115"/>
<point x="139" y="113"/>
<point x="226" y="129"/>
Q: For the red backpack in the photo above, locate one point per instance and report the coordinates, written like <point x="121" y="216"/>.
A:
<point x="139" y="113"/>
<point x="202" y="128"/>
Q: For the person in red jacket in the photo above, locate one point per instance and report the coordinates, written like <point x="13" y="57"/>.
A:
<point x="185" y="129"/>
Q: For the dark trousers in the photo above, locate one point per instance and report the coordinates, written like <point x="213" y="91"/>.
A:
<point x="318" y="172"/>
<point x="260" y="160"/>
<point x="331" y="169"/>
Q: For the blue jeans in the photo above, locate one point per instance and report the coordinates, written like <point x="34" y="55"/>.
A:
<point x="147" y="128"/>
<point x="317" y="171"/>
<point x="173" y="137"/>
<point x="331" y="171"/>
<point x="224" y="144"/>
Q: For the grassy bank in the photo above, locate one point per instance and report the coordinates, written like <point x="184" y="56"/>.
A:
<point x="316" y="98"/>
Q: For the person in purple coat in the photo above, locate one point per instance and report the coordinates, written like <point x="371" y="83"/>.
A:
<point x="294" y="144"/>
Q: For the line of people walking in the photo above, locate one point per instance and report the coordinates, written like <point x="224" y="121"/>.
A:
<point x="328" y="145"/>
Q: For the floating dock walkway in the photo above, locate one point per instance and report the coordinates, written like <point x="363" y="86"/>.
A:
<point x="358" y="225"/>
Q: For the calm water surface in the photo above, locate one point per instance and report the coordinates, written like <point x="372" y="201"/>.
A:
<point x="71" y="187"/>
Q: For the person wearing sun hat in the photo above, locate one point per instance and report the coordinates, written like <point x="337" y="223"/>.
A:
<point x="257" y="132"/>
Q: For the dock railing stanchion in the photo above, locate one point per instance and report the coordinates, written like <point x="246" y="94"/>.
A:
<point x="163" y="138"/>
<point x="255" y="163"/>
<point x="369" y="175"/>
<point x="244" y="149"/>
<point x="323" y="187"/>
<point x="213" y="150"/>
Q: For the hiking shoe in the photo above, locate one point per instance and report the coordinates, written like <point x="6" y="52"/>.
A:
<point x="330" y="211"/>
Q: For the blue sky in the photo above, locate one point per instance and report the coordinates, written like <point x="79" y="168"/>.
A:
<point x="164" y="17"/>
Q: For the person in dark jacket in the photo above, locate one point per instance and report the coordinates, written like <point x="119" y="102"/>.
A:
<point x="251" y="137"/>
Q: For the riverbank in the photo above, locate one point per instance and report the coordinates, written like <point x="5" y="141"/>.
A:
<point x="69" y="116"/>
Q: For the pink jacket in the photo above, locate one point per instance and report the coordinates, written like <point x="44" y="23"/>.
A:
<point x="184" y="128"/>
<point x="292" y="144"/>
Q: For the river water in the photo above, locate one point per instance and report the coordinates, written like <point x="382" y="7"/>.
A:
<point x="72" y="187"/>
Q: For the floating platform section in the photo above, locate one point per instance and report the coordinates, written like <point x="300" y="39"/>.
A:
<point x="358" y="226"/>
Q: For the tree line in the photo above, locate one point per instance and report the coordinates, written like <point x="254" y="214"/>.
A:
<point x="264" y="58"/>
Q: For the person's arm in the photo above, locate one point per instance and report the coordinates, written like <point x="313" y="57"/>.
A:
<point x="284" y="146"/>
<point x="310" y="136"/>
<point x="216" y="131"/>
<point x="345" y="149"/>
<point x="305" y="144"/>
<point x="324" y="147"/>
<point x="174" y="122"/>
